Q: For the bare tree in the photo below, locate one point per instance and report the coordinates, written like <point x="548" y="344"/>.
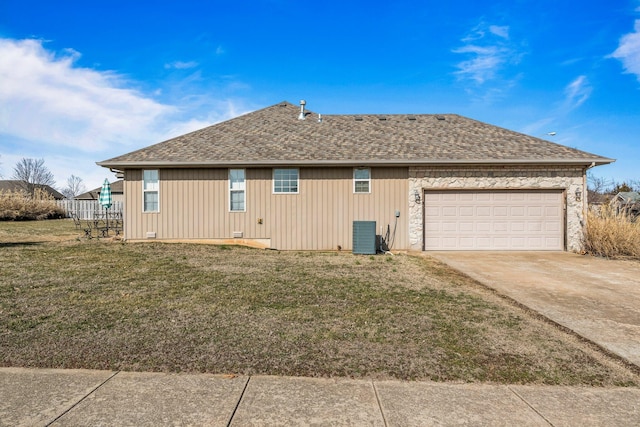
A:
<point x="74" y="187"/>
<point x="634" y="184"/>
<point x="34" y="173"/>
<point x="598" y="184"/>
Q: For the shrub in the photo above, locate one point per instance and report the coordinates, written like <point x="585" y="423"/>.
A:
<point x="612" y="235"/>
<point x="22" y="206"/>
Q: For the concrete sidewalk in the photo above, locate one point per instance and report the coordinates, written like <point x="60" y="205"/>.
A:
<point x="40" y="397"/>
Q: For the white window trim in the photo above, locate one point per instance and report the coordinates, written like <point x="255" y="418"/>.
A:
<point x="361" y="180"/>
<point x="273" y="181"/>
<point x="244" y="190"/>
<point x="144" y="191"/>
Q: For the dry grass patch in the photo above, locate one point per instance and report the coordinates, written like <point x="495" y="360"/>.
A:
<point x="33" y="232"/>
<point x="612" y="235"/>
<point x="197" y="308"/>
<point x="22" y="206"/>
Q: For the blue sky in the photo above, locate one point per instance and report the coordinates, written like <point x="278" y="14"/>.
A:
<point x="81" y="82"/>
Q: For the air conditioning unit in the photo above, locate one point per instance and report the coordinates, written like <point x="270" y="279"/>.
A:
<point x="364" y="237"/>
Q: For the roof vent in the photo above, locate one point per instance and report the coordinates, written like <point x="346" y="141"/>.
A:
<point x="411" y="117"/>
<point x="440" y="117"/>
<point x="382" y="118"/>
<point x="358" y="118"/>
<point x="319" y="118"/>
<point x="302" y="113"/>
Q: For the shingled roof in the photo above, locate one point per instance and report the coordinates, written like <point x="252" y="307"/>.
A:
<point x="20" y="185"/>
<point x="275" y="136"/>
<point x="117" y="187"/>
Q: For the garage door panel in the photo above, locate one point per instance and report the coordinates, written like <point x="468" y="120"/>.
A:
<point x="483" y="243"/>
<point x="493" y="220"/>
<point x="518" y="242"/>
<point x="500" y="211"/>
<point x="466" y="211"/>
<point x="552" y="227"/>
<point x="466" y="226"/>
<point x="516" y="211"/>
<point x="449" y="211"/>
<point x="518" y="227"/>
<point x="499" y="226"/>
<point x="483" y="211"/>
<point x="552" y="210"/>
<point x="449" y="226"/>
<point x="483" y="227"/>
<point x="535" y="210"/>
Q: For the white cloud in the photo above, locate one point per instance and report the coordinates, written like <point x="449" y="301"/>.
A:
<point x="577" y="92"/>
<point x="180" y="65"/>
<point x="489" y="51"/>
<point x="220" y="50"/>
<point x="500" y="30"/>
<point x="72" y="116"/>
<point x="628" y="51"/>
<point x="481" y="68"/>
<point x="47" y="98"/>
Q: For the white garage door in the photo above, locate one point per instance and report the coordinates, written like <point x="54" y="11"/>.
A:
<point x="493" y="220"/>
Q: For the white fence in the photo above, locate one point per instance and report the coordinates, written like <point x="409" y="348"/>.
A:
<point x="86" y="209"/>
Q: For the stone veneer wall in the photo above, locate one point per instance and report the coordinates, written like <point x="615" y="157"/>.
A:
<point x="499" y="178"/>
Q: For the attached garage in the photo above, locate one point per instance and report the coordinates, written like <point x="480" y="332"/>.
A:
<point x="494" y="220"/>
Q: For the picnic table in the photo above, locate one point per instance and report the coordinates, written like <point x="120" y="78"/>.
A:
<point x="102" y="223"/>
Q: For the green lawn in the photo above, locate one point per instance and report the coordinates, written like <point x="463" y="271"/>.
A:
<point x="66" y="302"/>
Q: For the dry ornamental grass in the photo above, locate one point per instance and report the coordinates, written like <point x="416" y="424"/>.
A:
<point x="200" y="308"/>
<point x="612" y="235"/>
<point x="21" y="206"/>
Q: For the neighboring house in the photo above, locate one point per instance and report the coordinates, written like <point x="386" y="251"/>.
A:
<point x="285" y="178"/>
<point x="597" y="200"/>
<point x="18" y="185"/>
<point x="117" y="192"/>
<point x="627" y="202"/>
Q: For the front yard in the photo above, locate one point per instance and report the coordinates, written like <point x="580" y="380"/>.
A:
<point x="66" y="302"/>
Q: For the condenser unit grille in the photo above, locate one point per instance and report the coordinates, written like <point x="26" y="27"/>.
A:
<point x="364" y="237"/>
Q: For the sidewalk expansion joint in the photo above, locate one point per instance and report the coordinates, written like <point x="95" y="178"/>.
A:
<point x="233" y="414"/>
<point x="83" y="399"/>
<point x="530" y="405"/>
<point x="375" y="391"/>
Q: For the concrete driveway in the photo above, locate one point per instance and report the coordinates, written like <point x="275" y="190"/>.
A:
<point x="597" y="298"/>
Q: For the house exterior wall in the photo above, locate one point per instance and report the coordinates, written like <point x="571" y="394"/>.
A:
<point x="568" y="179"/>
<point x="194" y="204"/>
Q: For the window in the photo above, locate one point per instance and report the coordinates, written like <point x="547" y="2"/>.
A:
<point x="150" y="191"/>
<point x="285" y="180"/>
<point x="362" y="180"/>
<point x="236" y="190"/>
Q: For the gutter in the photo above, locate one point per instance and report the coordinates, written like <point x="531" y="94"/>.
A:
<point x="319" y="163"/>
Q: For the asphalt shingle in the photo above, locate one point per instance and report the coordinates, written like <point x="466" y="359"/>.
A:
<point x="274" y="135"/>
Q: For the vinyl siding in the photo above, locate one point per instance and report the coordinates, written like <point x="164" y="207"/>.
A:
<point x="194" y="205"/>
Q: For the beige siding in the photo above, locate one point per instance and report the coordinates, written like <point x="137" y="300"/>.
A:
<point x="194" y="205"/>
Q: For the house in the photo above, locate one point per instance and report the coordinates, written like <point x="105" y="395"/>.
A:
<point x="117" y="192"/>
<point x="286" y="178"/>
<point x="597" y="201"/>
<point x="627" y="203"/>
<point x="19" y="185"/>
